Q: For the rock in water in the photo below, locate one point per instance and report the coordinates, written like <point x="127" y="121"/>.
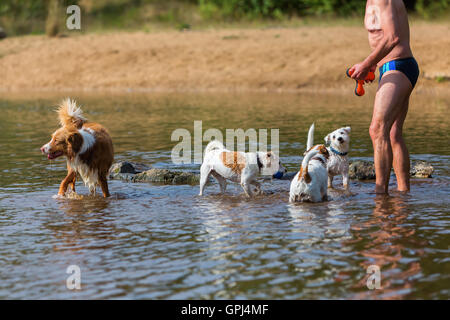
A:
<point x="365" y="170"/>
<point x="125" y="170"/>
<point x="128" y="167"/>
<point x="362" y="170"/>
<point x="167" y="177"/>
<point x="421" y="169"/>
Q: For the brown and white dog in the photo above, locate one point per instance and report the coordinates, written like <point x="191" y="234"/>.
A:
<point x="310" y="184"/>
<point x="86" y="145"/>
<point x="241" y="167"/>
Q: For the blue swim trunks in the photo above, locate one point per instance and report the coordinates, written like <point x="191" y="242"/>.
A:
<point x="408" y="66"/>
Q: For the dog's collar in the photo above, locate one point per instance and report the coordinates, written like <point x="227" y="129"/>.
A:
<point x="260" y="165"/>
<point x="337" y="152"/>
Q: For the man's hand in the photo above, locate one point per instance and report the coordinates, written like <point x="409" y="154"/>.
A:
<point x="360" y="71"/>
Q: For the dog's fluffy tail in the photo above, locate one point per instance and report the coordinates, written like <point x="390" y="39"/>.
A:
<point x="69" y="114"/>
<point x="304" y="175"/>
<point x="214" y="145"/>
<point x="310" y="141"/>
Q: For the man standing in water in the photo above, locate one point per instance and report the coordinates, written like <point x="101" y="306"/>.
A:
<point x="387" y="24"/>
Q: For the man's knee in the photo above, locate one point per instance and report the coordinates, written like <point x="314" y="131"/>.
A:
<point x="396" y="135"/>
<point x="379" y="130"/>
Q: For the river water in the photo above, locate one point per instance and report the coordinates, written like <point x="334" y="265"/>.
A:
<point x="158" y="241"/>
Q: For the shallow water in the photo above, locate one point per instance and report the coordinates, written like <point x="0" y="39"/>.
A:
<point x="164" y="242"/>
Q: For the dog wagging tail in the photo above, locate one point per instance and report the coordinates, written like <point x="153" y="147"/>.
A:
<point x="87" y="147"/>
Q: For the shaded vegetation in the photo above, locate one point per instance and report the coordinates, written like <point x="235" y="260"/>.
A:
<point x="36" y="16"/>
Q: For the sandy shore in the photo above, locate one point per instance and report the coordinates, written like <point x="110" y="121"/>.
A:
<point x="297" y="59"/>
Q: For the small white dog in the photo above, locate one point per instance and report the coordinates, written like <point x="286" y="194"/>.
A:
<point x="310" y="184"/>
<point x="242" y="167"/>
<point x="339" y="141"/>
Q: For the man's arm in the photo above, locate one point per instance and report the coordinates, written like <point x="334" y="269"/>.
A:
<point x="390" y="27"/>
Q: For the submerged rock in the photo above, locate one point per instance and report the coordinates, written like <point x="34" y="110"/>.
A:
<point x="361" y="170"/>
<point x="365" y="170"/>
<point x="126" y="170"/>
<point x="421" y="169"/>
<point x="167" y="177"/>
<point x="139" y="172"/>
<point x="128" y="167"/>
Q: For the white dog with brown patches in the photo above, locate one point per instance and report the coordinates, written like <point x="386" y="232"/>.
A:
<point x="337" y="164"/>
<point x="310" y="183"/>
<point x="241" y="167"/>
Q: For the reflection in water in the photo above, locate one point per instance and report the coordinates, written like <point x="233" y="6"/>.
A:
<point x="82" y="220"/>
<point x="386" y="247"/>
<point x="216" y="220"/>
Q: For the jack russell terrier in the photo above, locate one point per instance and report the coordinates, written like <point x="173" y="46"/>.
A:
<point x="310" y="183"/>
<point x="242" y="167"/>
<point x="337" y="164"/>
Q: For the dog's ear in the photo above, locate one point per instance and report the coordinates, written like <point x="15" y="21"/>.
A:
<point x="348" y="129"/>
<point x="74" y="142"/>
<point x="324" y="151"/>
<point x="327" y="139"/>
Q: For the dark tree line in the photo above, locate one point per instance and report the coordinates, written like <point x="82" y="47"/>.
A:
<point x="27" y="16"/>
<point x="274" y="8"/>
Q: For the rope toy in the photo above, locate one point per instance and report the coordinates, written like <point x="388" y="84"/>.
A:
<point x="359" y="90"/>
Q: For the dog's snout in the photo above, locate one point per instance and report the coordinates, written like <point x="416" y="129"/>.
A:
<point x="45" y="148"/>
<point x="340" y="139"/>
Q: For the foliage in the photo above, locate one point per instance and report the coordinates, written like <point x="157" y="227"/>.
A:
<point x="431" y="8"/>
<point x="237" y="9"/>
<point x="30" y="16"/>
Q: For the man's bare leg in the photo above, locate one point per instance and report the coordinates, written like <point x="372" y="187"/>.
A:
<point x="393" y="90"/>
<point x="401" y="160"/>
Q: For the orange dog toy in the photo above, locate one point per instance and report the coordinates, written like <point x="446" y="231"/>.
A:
<point x="359" y="90"/>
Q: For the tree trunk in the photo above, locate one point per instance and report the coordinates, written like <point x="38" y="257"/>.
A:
<point x="52" y="22"/>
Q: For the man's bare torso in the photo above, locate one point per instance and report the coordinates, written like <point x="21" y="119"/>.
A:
<point x="373" y="24"/>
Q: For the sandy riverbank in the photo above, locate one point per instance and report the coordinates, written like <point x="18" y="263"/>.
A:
<point x="309" y="58"/>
